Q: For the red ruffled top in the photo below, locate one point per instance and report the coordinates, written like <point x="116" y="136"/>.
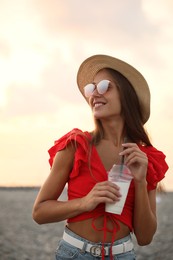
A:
<point x="81" y="179"/>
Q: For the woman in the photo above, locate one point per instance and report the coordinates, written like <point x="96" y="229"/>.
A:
<point x="119" y="98"/>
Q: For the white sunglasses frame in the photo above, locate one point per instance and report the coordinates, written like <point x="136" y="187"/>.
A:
<point x="89" y="88"/>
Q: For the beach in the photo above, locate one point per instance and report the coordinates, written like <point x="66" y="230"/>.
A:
<point x="22" y="239"/>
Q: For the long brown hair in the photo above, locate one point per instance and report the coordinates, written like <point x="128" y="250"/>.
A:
<point x="130" y="110"/>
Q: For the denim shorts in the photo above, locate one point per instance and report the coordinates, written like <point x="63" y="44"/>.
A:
<point x="67" y="251"/>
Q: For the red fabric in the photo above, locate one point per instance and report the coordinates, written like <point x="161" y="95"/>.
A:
<point x="81" y="180"/>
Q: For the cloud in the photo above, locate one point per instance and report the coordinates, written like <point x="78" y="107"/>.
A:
<point x="5" y="49"/>
<point x="54" y="37"/>
<point x="74" y="17"/>
<point x="162" y="11"/>
<point x="42" y="44"/>
<point x="120" y="28"/>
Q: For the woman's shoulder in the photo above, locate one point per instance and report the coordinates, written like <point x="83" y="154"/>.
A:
<point x="157" y="166"/>
<point x="76" y="137"/>
<point x="153" y="152"/>
<point x="75" y="134"/>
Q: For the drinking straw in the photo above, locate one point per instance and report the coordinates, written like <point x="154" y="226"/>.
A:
<point x="122" y="164"/>
<point x="122" y="158"/>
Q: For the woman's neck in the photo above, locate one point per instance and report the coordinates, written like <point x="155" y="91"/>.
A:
<point x="114" y="132"/>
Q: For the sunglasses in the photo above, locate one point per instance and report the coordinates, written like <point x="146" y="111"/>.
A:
<point x="101" y="87"/>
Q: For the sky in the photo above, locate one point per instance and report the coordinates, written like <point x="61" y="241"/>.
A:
<point x="42" y="44"/>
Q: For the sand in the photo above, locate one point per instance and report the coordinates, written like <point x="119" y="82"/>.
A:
<point x="22" y="239"/>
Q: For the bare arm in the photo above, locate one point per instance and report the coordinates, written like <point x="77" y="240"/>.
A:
<point x="144" y="220"/>
<point x="48" y="208"/>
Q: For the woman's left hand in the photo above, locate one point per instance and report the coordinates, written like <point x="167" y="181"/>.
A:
<point x="135" y="160"/>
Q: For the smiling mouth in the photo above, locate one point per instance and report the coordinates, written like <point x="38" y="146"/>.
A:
<point x="99" y="104"/>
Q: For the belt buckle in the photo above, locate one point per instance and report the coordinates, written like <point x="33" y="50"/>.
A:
<point x="97" y="251"/>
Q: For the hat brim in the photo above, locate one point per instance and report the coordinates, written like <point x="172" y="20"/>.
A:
<point x="90" y="67"/>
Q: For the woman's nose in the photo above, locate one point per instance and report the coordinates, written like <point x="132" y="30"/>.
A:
<point x="95" y="92"/>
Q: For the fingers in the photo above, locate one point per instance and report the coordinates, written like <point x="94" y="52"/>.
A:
<point x="108" y="190"/>
<point x="133" y="154"/>
<point x="136" y="160"/>
<point x="107" y="184"/>
<point x="102" y="192"/>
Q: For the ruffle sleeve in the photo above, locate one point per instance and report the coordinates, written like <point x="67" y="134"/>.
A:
<point x="79" y="140"/>
<point x="157" y="166"/>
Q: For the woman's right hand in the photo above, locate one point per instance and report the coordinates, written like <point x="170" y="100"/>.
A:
<point x="102" y="192"/>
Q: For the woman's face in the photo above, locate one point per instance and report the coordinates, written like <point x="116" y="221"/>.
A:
<point x="107" y="105"/>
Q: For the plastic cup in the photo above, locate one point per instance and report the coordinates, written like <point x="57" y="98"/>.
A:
<point x="121" y="176"/>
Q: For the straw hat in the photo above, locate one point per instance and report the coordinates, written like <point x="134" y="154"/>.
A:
<point x="93" y="64"/>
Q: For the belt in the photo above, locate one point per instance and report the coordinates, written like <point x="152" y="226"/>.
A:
<point x="96" y="249"/>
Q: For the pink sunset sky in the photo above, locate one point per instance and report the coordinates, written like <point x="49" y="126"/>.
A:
<point x="42" y="44"/>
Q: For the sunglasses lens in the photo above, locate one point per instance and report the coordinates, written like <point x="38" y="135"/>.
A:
<point x="102" y="86"/>
<point x="88" y="90"/>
